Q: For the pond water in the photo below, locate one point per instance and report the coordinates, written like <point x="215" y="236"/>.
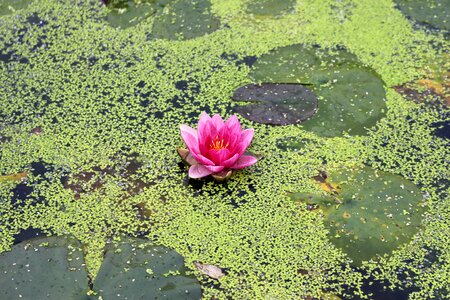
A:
<point x="349" y="102"/>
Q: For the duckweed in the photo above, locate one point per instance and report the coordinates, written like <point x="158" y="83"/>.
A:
<point x="104" y="96"/>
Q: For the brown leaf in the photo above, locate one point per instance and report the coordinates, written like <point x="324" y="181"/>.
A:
<point x="14" y="177"/>
<point x="209" y="270"/>
<point x="222" y="176"/>
<point x="329" y="187"/>
<point x="433" y="85"/>
<point x="322" y="177"/>
<point x="186" y="156"/>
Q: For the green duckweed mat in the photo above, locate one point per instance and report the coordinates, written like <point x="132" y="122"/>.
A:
<point x="92" y="96"/>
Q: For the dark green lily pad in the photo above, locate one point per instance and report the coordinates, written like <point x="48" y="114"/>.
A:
<point x="433" y="12"/>
<point x="379" y="211"/>
<point x="127" y="13"/>
<point x="135" y="269"/>
<point x="270" y="7"/>
<point x="53" y="268"/>
<point x="10" y="6"/>
<point x="44" y="268"/>
<point x="351" y="96"/>
<point x="185" y="19"/>
<point x="277" y="104"/>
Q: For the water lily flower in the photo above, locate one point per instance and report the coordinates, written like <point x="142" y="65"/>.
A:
<point x="217" y="147"/>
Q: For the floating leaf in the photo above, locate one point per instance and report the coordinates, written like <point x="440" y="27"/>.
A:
<point x="10" y="6"/>
<point x="54" y="268"/>
<point x="277" y="104"/>
<point x="44" y="268"/>
<point x="209" y="270"/>
<point x="136" y="269"/>
<point x="127" y="13"/>
<point x="379" y="212"/>
<point x="14" y="177"/>
<point x="432" y="12"/>
<point x="185" y="19"/>
<point x="270" y="7"/>
<point x="351" y="96"/>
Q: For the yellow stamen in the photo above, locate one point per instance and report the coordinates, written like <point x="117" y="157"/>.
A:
<point x="218" y="144"/>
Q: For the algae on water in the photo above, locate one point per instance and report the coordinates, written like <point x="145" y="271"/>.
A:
<point x="84" y="97"/>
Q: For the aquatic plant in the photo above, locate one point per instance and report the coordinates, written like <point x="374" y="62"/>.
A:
<point x="54" y="268"/>
<point x="217" y="147"/>
<point x="106" y="94"/>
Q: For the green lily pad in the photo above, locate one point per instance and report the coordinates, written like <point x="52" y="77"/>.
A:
<point x="185" y="19"/>
<point x="270" y="7"/>
<point x="277" y="104"/>
<point x="127" y="13"/>
<point x="53" y="268"/>
<point x="10" y="6"/>
<point x="44" y="268"/>
<point x="371" y="214"/>
<point x="433" y="12"/>
<point x="351" y="96"/>
<point x="135" y="269"/>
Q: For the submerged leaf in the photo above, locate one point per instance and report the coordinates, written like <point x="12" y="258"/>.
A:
<point x="184" y="20"/>
<point x="127" y="13"/>
<point x="379" y="212"/>
<point x="434" y="12"/>
<point x="270" y="7"/>
<point x="277" y="104"/>
<point x="10" y="6"/>
<point x="210" y="270"/>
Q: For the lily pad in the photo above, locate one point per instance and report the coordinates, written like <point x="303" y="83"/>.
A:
<point x="127" y="13"/>
<point x="371" y="214"/>
<point x="270" y="7"/>
<point x="185" y="19"/>
<point x="135" y="269"/>
<point x="277" y="104"/>
<point x="432" y="12"/>
<point x="44" y="268"/>
<point x="53" y="268"/>
<point x="10" y="6"/>
<point x="351" y="96"/>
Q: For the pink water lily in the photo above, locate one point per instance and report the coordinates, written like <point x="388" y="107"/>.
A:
<point x="217" y="147"/>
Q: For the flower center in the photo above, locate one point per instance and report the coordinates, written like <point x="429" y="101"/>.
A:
<point x="218" y="144"/>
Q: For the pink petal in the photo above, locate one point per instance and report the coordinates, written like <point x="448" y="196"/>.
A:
<point x="246" y="138"/>
<point x="214" y="169"/>
<point x="233" y="125"/>
<point x="198" y="171"/>
<point x="206" y="133"/>
<point x="217" y="121"/>
<point x="224" y="133"/>
<point x="231" y="161"/>
<point x="202" y="159"/>
<point x="219" y="156"/>
<point x="204" y="118"/>
<point x="244" y="161"/>
<point x="190" y="138"/>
